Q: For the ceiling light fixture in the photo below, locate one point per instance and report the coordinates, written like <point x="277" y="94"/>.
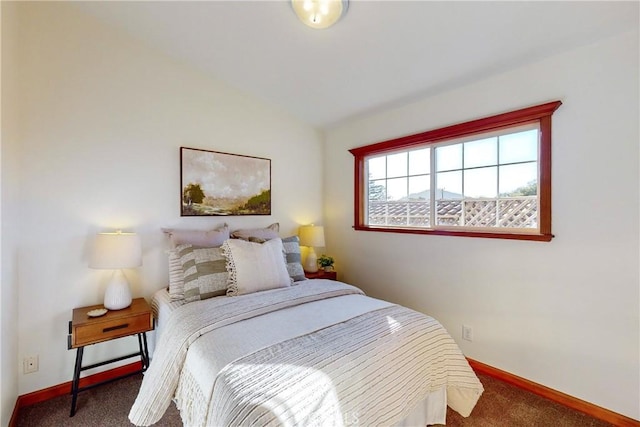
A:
<point x="320" y="14"/>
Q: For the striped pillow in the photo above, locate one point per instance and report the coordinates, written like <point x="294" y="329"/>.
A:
<point x="176" y="276"/>
<point x="205" y="272"/>
<point x="294" y="259"/>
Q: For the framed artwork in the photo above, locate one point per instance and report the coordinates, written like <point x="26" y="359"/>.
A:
<point x="214" y="183"/>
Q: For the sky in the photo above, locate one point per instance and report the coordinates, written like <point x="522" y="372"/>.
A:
<point x="223" y="175"/>
<point x="480" y="167"/>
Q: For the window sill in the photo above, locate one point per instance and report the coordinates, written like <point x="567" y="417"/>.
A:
<point x="483" y="234"/>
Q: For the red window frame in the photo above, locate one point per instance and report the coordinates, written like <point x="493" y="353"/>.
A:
<point x="539" y="113"/>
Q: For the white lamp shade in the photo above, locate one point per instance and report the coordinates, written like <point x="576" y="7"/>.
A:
<point x="114" y="251"/>
<point x="312" y="236"/>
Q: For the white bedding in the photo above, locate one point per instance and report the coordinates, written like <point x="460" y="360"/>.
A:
<point x="199" y="385"/>
<point x="162" y="306"/>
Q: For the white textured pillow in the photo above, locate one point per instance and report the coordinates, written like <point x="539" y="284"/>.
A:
<point x="176" y="276"/>
<point x="255" y="267"/>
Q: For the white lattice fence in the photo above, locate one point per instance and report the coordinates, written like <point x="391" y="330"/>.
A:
<point x="414" y="213"/>
<point x="480" y="213"/>
<point x="515" y="212"/>
<point x="518" y="213"/>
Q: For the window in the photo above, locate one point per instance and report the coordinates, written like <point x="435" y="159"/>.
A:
<point x="485" y="178"/>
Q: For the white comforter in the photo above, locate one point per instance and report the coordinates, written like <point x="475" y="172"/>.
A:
<point x="320" y="353"/>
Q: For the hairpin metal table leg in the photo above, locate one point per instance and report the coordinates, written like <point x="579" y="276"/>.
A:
<point x="144" y="350"/>
<point x="76" y="380"/>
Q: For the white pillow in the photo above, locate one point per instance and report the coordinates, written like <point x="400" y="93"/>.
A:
<point x="255" y="267"/>
<point x="176" y="276"/>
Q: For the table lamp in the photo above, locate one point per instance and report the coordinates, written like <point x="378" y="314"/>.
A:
<point x="311" y="236"/>
<point x="115" y="251"/>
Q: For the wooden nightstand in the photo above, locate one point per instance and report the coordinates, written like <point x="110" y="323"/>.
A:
<point x="321" y="274"/>
<point x="85" y="330"/>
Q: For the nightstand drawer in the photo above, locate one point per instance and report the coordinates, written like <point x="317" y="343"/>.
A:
<point x="85" y="330"/>
<point x="111" y="328"/>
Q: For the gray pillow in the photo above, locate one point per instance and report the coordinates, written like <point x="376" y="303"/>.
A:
<point x="267" y="233"/>
<point x="294" y="259"/>
<point x="198" y="238"/>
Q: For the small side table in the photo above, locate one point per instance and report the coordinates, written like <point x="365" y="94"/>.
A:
<point x="85" y="330"/>
<point x="321" y="274"/>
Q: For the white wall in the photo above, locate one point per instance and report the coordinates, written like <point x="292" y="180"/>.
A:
<point x="9" y="191"/>
<point x="103" y="118"/>
<point x="565" y="313"/>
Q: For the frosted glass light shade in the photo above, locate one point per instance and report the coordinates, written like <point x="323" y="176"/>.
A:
<point x="320" y="14"/>
<point x="115" y="251"/>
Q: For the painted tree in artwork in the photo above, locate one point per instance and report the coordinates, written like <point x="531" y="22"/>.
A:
<point x="192" y="193"/>
<point x="260" y="204"/>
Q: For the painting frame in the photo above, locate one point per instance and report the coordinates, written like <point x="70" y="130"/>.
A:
<point x="215" y="183"/>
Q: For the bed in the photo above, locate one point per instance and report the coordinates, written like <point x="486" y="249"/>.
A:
<point x="315" y="352"/>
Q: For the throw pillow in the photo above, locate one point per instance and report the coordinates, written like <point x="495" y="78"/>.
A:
<point x="255" y="267"/>
<point x="267" y="233"/>
<point x="176" y="276"/>
<point x="205" y="272"/>
<point x="198" y="238"/>
<point x="294" y="259"/>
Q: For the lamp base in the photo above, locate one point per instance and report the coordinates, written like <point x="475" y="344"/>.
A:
<point x="311" y="263"/>
<point x="118" y="295"/>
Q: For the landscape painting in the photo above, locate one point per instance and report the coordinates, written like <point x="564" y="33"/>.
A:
<point x="214" y="183"/>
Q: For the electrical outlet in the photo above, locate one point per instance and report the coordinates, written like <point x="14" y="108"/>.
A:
<point x="30" y="364"/>
<point x="467" y="333"/>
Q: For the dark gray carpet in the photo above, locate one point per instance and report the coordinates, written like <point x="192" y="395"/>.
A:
<point x="104" y="406"/>
<point x="500" y="405"/>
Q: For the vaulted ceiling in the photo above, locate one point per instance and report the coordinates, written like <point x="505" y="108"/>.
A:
<point x="381" y="54"/>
